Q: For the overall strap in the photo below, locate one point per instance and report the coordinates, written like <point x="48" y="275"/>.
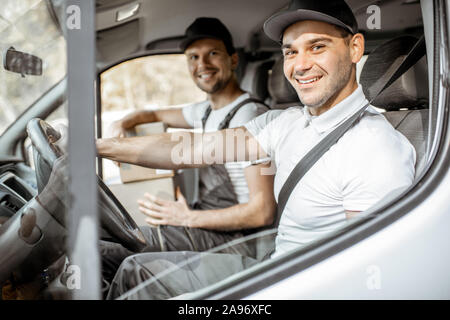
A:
<point x="226" y="121"/>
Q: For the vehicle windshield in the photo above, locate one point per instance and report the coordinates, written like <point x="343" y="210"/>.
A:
<point x="28" y="26"/>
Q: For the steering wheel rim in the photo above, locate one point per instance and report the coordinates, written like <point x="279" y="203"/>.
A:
<point x="114" y="217"/>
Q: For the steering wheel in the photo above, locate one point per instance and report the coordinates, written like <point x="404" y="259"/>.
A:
<point x="113" y="216"/>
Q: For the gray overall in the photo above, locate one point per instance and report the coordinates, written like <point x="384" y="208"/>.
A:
<point x="215" y="188"/>
<point x="215" y="192"/>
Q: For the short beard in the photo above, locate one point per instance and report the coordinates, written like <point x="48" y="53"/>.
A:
<point x="342" y="78"/>
<point x="220" y="84"/>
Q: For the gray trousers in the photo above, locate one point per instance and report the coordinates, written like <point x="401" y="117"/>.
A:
<point x="163" y="275"/>
<point x="171" y="238"/>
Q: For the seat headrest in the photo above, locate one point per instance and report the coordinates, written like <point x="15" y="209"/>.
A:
<point x="256" y="78"/>
<point x="409" y="91"/>
<point x="280" y="90"/>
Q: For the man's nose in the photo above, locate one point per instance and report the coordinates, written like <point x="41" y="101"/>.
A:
<point x="203" y="60"/>
<point x="302" y="63"/>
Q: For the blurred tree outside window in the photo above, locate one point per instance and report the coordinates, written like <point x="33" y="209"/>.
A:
<point x="147" y="83"/>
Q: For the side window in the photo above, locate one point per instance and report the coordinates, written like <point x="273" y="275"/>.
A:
<point x="152" y="82"/>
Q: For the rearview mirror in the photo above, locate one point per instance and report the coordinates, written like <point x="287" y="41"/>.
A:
<point x="23" y="63"/>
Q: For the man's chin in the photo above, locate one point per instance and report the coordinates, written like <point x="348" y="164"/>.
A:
<point x="312" y="102"/>
<point x="206" y="89"/>
<point x="211" y="89"/>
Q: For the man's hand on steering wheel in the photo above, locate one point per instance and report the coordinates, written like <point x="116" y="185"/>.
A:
<point x="52" y="177"/>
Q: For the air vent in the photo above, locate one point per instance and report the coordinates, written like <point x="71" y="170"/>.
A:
<point x="17" y="186"/>
<point x="9" y="205"/>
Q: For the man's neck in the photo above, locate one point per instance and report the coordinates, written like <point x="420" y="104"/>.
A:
<point x="225" y="96"/>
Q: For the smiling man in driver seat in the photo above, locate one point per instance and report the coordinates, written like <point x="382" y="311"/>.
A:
<point x="321" y="46"/>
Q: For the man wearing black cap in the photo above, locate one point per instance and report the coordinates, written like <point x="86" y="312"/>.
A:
<point x="232" y="197"/>
<point x="321" y="47"/>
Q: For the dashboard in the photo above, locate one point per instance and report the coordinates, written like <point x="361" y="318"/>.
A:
<point x="15" y="191"/>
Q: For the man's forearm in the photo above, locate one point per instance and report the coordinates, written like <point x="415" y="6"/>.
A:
<point x="253" y="214"/>
<point x="165" y="150"/>
<point x="182" y="149"/>
<point x="173" y="117"/>
<point x="154" y="151"/>
<point x="138" y="117"/>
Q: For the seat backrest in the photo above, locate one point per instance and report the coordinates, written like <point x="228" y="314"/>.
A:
<point x="413" y="125"/>
<point x="406" y="100"/>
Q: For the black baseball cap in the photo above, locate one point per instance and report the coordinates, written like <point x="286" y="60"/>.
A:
<point x="208" y="28"/>
<point x="335" y="12"/>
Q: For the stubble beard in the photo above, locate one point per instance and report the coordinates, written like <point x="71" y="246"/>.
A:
<point x="219" y="85"/>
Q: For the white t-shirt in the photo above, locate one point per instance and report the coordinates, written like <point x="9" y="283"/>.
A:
<point x="193" y="115"/>
<point x="369" y="161"/>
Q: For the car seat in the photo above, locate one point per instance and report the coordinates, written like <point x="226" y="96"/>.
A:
<point x="282" y="94"/>
<point x="255" y="78"/>
<point x="265" y="80"/>
<point x="406" y="100"/>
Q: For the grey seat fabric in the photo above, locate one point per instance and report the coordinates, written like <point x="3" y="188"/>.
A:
<point x="413" y="125"/>
<point x="406" y="100"/>
<point x="282" y="94"/>
<point x="265" y="80"/>
<point x="256" y="78"/>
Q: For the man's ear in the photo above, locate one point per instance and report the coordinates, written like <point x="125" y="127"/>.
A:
<point x="234" y="61"/>
<point x="356" y="47"/>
